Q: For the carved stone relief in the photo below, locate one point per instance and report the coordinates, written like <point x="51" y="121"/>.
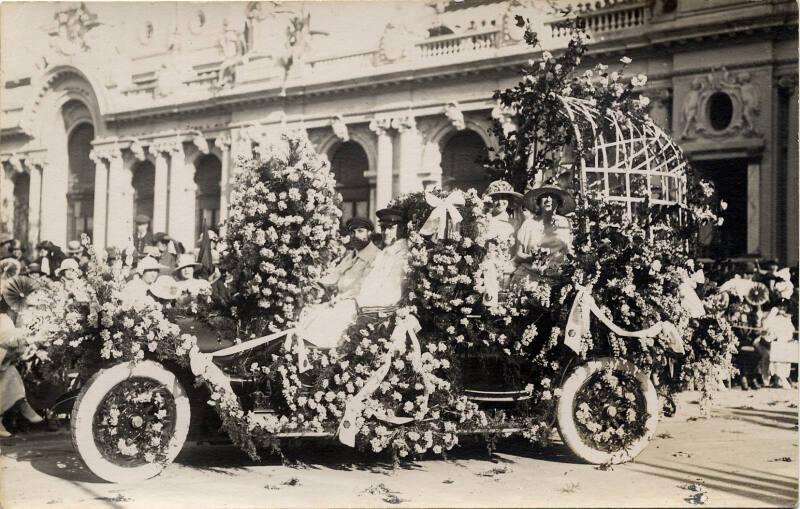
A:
<point x="720" y="105"/>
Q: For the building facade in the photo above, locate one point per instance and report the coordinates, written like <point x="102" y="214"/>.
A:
<point x="114" y="110"/>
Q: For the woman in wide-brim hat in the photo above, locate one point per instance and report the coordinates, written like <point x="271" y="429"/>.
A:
<point x="504" y="214"/>
<point x="545" y="238"/>
<point x="184" y="274"/>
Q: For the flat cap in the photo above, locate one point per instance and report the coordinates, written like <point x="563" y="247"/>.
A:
<point x="390" y="216"/>
<point x="359" y="222"/>
<point x="142" y="219"/>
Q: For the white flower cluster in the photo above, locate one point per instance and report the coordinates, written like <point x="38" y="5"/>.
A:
<point x="282" y="231"/>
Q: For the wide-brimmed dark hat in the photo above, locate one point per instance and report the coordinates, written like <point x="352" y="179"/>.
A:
<point x="566" y="205"/>
<point x="45" y="244"/>
<point x="359" y="222"/>
<point x="15" y="244"/>
<point x="390" y="216"/>
<point x="5" y="238"/>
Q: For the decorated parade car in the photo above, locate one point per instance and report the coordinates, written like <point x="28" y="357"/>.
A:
<point x="575" y="322"/>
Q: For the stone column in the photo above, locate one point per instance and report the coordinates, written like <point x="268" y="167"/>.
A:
<point x="753" y="207"/>
<point x="383" y="178"/>
<point x="36" y="169"/>
<point x="792" y="178"/>
<point x="7" y="195"/>
<point x="181" y="198"/>
<point x="410" y="154"/>
<point x="223" y="143"/>
<point x="119" y="230"/>
<point x="160" y="187"/>
<point x="100" y="200"/>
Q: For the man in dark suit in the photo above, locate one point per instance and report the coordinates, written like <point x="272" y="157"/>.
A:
<point x="143" y="236"/>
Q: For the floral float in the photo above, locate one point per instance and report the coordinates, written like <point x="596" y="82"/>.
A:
<point x="579" y="352"/>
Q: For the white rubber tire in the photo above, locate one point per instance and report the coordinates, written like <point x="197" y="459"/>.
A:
<point x="90" y="398"/>
<point x="565" y="411"/>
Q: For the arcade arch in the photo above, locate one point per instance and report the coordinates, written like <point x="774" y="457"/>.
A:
<point x="461" y="153"/>
<point x="143" y="182"/>
<point x="350" y="163"/>
<point x="80" y="183"/>
<point x="207" y="177"/>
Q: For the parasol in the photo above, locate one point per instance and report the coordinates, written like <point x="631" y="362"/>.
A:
<point x="16" y="291"/>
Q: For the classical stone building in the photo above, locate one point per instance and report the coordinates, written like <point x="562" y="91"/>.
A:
<point x="110" y="110"/>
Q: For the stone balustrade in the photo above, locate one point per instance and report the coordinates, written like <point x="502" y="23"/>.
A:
<point x="609" y="19"/>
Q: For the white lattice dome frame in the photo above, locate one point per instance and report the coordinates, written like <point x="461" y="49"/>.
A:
<point x="630" y="161"/>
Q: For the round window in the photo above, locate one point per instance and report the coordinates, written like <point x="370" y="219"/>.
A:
<point x="720" y="110"/>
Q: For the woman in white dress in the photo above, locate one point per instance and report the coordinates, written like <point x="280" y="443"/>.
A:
<point x="545" y="238"/>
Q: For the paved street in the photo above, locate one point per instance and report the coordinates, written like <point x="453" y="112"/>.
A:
<point x="745" y="455"/>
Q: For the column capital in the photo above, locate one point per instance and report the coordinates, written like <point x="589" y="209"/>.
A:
<point x="36" y="161"/>
<point x="170" y="145"/>
<point x="199" y="140"/>
<point x="137" y="149"/>
<point x="404" y="123"/>
<point x="107" y="152"/>
<point x="380" y="125"/>
<point x="340" y="128"/>
<point x="223" y="142"/>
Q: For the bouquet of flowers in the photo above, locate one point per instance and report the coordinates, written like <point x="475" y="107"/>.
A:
<point x="282" y="232"/>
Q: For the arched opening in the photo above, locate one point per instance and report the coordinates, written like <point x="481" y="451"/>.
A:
<point x="207" y="176"/>
<point x="22" y="186"/>
<point x="349" y="164"/>
<point x="143" y="182"/>
<point x="80" y="190"/>
<point x="461" y="166"/>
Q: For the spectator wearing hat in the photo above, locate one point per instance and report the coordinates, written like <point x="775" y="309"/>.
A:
<point x="185" y="280"/>
<point x="16" y="250"/>
<point x="164" y="290"/>
<point x="33" y="270"/>
<point x="545" y="238"/>
<point x="5" y="239"/>
<point x="74" y="249"/>
<point x="168" y="254"/>
<point x="148" y="270"/>
<point x="143" y="236"/>
<point x="504" y="199"/>
<point x="69" y="270"/>
<point x="48" y="258"/>
<point x="346" y="278"/>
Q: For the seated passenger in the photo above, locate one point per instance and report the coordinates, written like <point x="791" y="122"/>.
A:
<point x="505" y="202"/>
<point x="545" y="238"/>
<point x="383" y="286"/>
<point x="348" y="275"/>
<point x="136" y="289"/>
<point x="185" y="280"/>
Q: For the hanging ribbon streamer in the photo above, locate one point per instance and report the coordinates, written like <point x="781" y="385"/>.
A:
<point x="436" y="224"/>
<point x="407" y="326"/>
<point x="584" y="305"/>
<point x="303" y="364"/>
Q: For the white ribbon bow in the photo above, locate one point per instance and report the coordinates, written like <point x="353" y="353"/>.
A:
<point x="436" y="224"/>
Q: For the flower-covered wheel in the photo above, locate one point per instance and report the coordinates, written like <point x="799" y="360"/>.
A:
<point x="130" y="421"/>
<point x="608" y="411"/>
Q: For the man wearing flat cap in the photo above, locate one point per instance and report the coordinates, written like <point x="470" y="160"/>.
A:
<point x="143" y="236"/>
<point x="347" y="276"/>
